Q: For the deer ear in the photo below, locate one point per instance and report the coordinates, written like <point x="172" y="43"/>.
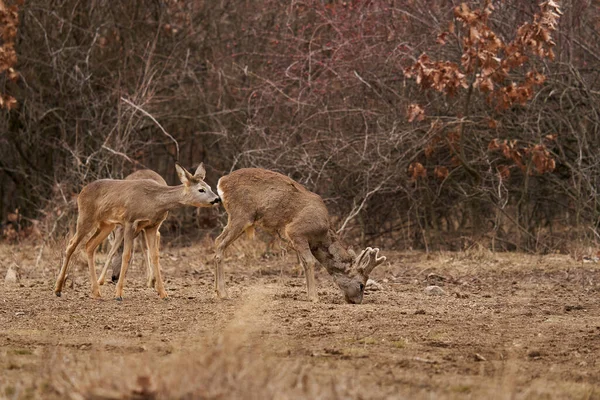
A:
<point x="184" y="176"/>
<point x="200" y="172"/>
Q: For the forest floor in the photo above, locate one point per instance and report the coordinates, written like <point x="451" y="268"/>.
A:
<point x="507" y="326"/>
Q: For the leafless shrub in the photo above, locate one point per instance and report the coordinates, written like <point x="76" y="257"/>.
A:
<point x="422" y="124"/>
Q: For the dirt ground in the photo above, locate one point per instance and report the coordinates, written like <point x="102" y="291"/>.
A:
<point x="507" y="326"/>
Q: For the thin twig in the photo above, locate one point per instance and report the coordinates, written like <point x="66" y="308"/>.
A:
<point x="118" y="153"/>
<point x="358" y="209"/>
<point x="146" y="113"/>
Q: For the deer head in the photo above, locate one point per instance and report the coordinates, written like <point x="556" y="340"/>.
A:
<point x="197" y="193"/>
<point x="353" y="283"/>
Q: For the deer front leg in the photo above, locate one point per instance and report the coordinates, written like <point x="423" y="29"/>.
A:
<point x="115" y="246"/>
<point x="232" y="231"/>
<point x="311" y="287"/>
<point x="219" y="275"/>
<point x="308" y="262"/>
<point x="128" y="235"/>
<point x="152" y="238"/>
<point x="150" y="278"/>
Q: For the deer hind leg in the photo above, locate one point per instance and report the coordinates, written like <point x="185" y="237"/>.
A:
<point x="128" y="235"/>
<point x="90" y="248"/>
<point x="83" y="229"/>
<point x="115" y="246"/>
<point x="153" y="238"/>
<point x="232" y="231"/>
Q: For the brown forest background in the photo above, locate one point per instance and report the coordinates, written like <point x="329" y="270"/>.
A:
<point x="428" y="124"/>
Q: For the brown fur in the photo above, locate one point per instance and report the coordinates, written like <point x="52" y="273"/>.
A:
<point x="113" y="257"/>
<point x="136" y="205"/>
<point x="278" y="204"/>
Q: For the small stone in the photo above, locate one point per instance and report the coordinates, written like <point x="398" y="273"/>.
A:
<point x="573" y="307"/>
<point x="435" y="278"/>
<point x="18" y="313"/>
<point x="479" y="357"/>
<point x="373" y="285"/>
<point x="11" y="276"/>
<point x="434" y="291"/>
<point x="534" y="354"/>
<point x="420" y="312"/>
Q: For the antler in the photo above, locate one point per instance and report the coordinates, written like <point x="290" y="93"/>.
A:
<point x="367" y="260"/>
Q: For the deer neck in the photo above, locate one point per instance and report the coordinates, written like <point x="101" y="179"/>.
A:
<point x="170" y="197"/>
<point x="334" y="258"/>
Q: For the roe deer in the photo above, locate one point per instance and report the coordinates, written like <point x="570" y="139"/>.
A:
<point x="136" y="205"/>
<point x="278" y="204"/>
<point x="115" y="259"/>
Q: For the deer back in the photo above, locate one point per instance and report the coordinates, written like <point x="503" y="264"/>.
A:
<point x="117" y="201"/>
<point x="271" y="200"/>
<point x="146" y="174"/>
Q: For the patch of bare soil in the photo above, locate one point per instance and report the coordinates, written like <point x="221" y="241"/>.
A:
<point x="499" y="326"/>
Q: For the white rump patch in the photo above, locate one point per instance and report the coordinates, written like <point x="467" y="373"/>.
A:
<point x="220" y="192"/>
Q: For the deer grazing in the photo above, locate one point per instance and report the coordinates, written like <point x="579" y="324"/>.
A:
<point x="115" y="259"/>
<point x="136" y="205"/>
<point x="272" y="201"/>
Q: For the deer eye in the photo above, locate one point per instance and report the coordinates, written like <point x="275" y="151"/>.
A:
<point x="201" y="190"/>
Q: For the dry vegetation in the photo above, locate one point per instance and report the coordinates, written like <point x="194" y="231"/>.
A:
<point x="428" y="126"/>
<point x="509" y="326"/>
<point x="424" y="124"/>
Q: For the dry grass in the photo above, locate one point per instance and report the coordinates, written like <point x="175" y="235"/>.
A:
<point x="219" y="371"/>
<point x="217" y="366"/>
<point x="268" y="342"/>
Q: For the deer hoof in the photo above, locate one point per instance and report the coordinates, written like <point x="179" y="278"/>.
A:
<point x="119" y="298"/>
<point x="58" y="294"/>
<point x="163" y="295"/>
<point x="222" y="294"/>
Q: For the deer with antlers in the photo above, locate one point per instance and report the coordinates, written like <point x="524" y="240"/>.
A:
<point x="276" y="203"/>
<point x="136" y="205"/>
